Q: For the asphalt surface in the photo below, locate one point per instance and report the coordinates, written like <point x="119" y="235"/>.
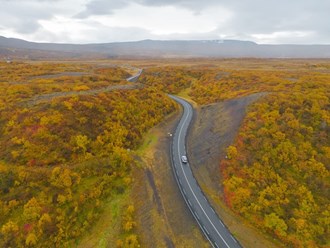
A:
<point x="207" y="219"/>
<point x="135" y="77"/>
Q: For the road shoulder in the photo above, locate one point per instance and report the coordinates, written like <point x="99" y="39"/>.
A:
<point x="162" y="216"/>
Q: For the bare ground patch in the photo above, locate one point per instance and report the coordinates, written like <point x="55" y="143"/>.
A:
<point x="162" y="216"/>
<point x="214" y="129"/>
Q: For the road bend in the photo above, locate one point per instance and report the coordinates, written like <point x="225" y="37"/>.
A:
<point x="135" y="77"/>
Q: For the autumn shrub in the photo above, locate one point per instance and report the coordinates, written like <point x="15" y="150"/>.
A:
<point x="279" y="179"/>
<point x="169" y="79"/>
<point x="61" y="159"/>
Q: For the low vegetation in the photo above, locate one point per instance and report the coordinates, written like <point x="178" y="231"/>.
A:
<point x="277" y="171"/>
<point x="169" y="79"/>
<point x="61" y="159"/>
<point x="276" y="174"/>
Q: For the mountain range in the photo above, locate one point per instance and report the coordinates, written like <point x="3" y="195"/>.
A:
<point x="11" y="47"/>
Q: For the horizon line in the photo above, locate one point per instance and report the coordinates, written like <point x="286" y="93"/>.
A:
<point x="220" y="41"/>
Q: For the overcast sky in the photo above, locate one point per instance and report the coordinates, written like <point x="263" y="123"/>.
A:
<point x="100" y="21"/>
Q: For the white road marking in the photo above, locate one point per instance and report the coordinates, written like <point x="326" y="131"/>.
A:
<point x="206" y="230"/>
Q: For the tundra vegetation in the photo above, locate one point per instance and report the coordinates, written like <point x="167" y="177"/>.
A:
<point x="61" y="158"/>
<point x="276" y="174"/>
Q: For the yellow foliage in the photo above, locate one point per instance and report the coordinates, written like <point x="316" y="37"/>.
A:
<point x="129" y="225"/>
<point x="11" y="123"/>
<point x="31" y="239"/>
<point x="63" y="177"/>
<point x="131" y="242"/>
<point x="44" y="220"/>
<point x="119" y="243"/>
<point x="14" y="154"/>
<point x="81" y="142"/>
<point x="81" y="88"/>
<point x="274" y="222"/>
<point x="9" y="227"/>
<point x="61" y="199"/>
<point x="231" y="152"/>
<point x="68" y="104"/>
<point x="32" y="209"/>
<point x="13" y="203"/>
<point x="130" y="209"/>
<point x="3" y="167"/>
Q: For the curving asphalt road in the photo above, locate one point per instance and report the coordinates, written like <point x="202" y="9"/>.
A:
<point x="135" y="77"/>
<point x="209" y="222"/>
<point x="207" y="219"/>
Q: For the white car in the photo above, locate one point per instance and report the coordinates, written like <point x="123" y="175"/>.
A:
<point x="184" y="159"/>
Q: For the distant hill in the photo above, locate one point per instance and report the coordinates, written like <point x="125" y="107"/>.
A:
<point x="155" y="48"/>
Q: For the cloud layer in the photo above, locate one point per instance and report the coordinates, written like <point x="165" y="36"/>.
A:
<point x="95" y="21"/>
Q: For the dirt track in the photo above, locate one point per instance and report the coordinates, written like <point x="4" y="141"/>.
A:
<point x="48" y="97"/>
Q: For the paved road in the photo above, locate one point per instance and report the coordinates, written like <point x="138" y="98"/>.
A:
<point x="209" y="222"/>
<point x="135" y="77"/>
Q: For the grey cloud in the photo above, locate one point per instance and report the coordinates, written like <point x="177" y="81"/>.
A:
<point x="195" y="5"/>
<point x="23" y="17"/>
<point x="264" y="17"/>
<point x="28" y="27"/>
<point x="101" y="7"/>
<point x="123" y="34"/>
<point x="249" y="17"/>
